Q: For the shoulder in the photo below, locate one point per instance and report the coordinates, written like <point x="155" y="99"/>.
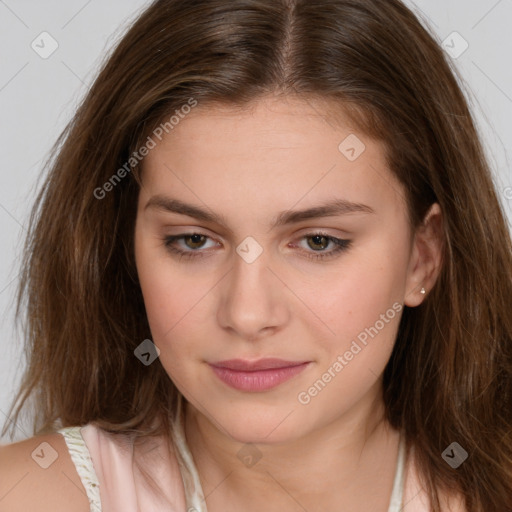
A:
<point x="38" y="474"/>
<point x="415" y="498"/>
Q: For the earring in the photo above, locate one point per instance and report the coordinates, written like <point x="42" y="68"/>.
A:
<point x="422" y="291"/>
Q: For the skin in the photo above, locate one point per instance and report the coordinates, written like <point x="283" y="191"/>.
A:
<point x="335" y="452"/>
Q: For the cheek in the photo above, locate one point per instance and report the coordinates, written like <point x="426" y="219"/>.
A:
<point x="363" y="290"/>
<point x="363" y="311"/>
<point x="174" y="298"/>
<point x="168" y="313"/>
<point x="168" y="299"/>
<point x="360" y="308"/>
<point x="158" y="285"/>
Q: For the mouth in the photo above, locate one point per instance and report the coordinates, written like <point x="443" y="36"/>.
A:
<point x="256" y="376"/>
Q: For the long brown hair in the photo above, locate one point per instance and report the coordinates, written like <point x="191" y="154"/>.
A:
<point x="449" y="377"/>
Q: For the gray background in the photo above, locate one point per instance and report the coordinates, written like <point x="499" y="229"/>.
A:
<point x="38" y="97"/>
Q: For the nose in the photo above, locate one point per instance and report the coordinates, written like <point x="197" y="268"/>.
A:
<point x="253" y="302"/>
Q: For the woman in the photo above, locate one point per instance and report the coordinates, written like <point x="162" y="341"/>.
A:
<point x="268" y="270"/>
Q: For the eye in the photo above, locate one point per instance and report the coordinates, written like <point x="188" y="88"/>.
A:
<point x="193" y="243"/>
<point x="318" y="242"/>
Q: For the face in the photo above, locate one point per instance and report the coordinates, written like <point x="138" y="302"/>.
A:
<point x="248" y="280"/>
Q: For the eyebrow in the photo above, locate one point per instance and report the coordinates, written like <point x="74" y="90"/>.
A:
<point x="332" y="208"/>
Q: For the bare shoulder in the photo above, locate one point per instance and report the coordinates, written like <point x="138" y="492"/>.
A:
<point x="38" y="474"/>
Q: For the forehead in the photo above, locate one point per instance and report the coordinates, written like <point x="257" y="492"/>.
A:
<point x="268" y="123"/>
<point x="278" y="151"/>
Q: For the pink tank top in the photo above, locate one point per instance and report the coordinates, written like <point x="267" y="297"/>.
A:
<point x="113" y="483"/>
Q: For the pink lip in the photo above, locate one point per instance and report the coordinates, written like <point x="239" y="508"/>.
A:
<point x="257" y="375"/>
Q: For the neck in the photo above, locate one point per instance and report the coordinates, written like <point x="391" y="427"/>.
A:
<point x="340" y="463"/>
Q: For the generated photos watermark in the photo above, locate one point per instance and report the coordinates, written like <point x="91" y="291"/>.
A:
<point x="137" y="156"/>
<point x="305" y="397"/>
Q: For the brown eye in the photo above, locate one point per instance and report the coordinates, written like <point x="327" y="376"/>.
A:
<point x="187" y="245"/>
<point x="197" y="241"/>
<point x="320" y="242"/>
<point x="318" y="246"/>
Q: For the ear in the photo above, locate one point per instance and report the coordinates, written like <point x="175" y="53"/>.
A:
<point x="426" y="257"/>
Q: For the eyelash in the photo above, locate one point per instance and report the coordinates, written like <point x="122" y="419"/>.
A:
<point x="340" y="246"/>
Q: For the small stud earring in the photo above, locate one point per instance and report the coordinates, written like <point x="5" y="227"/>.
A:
<point x="422" y="291"/>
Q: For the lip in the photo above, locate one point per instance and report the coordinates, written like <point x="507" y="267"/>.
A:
<point x="254" y="376"/>
<point x="267" y="363"/>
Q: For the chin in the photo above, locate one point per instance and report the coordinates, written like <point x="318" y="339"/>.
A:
<point x="264" y="428"/>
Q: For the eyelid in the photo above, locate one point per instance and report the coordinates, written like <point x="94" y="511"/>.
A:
<point x="339" y="243"/>
<point x="185" y="234"/>
<point x="301" y="232"/>
<point x="325" y="231"/>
